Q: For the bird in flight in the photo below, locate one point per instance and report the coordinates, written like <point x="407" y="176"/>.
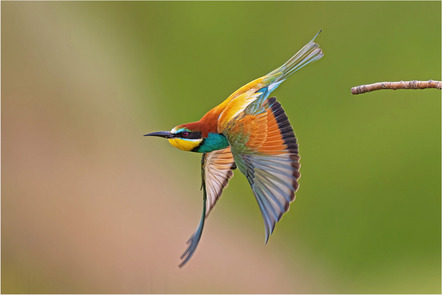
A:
<point x="249" y="131"/>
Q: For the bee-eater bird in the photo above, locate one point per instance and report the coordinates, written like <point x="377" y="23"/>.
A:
<point x="250" y="131"/>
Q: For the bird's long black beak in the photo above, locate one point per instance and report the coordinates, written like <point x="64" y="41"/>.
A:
<point x="165" y="134"/>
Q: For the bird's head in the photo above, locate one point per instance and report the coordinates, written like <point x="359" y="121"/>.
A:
<point x="182" y="137"/>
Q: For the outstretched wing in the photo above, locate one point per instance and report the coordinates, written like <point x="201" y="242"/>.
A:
<point x="216" y="170"/>
<point x="266" y="152"/>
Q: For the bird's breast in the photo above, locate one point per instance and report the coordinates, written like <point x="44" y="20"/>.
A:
<point x="213" y="142"/>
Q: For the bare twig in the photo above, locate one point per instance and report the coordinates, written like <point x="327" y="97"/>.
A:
<point x="396" y="85"/>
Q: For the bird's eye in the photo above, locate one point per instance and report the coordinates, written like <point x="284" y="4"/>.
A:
<point x="185" y="134"/>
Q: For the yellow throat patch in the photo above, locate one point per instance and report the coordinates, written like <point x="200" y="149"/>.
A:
<point x="185" y="144"/>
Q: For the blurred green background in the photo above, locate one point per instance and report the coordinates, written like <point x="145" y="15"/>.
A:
<point x="91" y="206"/>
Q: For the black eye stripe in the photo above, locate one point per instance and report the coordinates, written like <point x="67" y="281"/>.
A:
<point x="191" y="135"/>
<point x="194" y="135"/>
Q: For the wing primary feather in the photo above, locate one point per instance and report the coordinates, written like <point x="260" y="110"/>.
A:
<point x="216" y="170"/>
<point x="266" y="190"/>
<point x="273" y="178"/>
<point x="195" y="238"/>
<point x="267" y="203"/>
<point x="267" y="222"/>
<point x="276" y="186"/>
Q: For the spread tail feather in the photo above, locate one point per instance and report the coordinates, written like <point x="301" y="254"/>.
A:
<point x="309" y="53"/>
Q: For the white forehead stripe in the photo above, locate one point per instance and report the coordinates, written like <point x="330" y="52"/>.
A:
<point x="175" y="130"/>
